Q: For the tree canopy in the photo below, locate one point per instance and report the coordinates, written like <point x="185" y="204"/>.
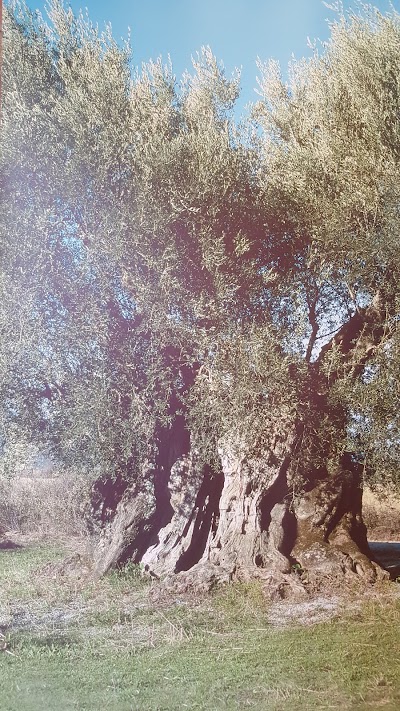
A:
<point x="160" y="263"/>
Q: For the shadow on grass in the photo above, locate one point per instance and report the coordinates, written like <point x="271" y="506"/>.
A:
<point x="387" y="554"/>
<point x="9" y="545"/>
<point x="52" y="643"/>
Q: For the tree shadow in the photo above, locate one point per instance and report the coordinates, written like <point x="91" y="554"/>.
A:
<point x="9" y="545"/>
<point x="387" y="554"/>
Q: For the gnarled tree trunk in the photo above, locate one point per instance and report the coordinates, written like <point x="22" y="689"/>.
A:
<point x="184" y="521"/>
<point x="241" y="523"/>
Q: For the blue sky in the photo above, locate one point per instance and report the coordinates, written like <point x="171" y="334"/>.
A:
<point x="238" y="31"/>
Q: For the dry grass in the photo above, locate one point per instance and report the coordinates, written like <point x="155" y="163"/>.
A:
<point x="48" y="505"/>
<point x="381" y="514"/>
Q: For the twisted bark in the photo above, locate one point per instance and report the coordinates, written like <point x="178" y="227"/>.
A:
<point x="183" y="521"/>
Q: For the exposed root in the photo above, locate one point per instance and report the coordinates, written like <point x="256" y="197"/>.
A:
<point x="205" y="577"/>
<point x="202" y="578"/>
<point x="284" y="587"/>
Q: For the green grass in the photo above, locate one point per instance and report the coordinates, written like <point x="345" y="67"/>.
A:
<point x="117" y="650"/>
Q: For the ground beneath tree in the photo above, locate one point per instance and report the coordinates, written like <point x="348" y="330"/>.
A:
<point x="63" y="596"/>
<point x="141" y="647"/>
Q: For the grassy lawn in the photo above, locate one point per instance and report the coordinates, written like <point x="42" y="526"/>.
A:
<point x="112" y="646"/>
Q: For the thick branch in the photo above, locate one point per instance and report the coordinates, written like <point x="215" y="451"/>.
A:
<point x="357" y="340"/>
<point x="312" y="317"/>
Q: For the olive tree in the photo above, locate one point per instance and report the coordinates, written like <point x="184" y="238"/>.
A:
<point x="209" y="312"/>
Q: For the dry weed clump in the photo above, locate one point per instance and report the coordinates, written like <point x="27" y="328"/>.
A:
<point x="381" y="513"/>
<point x="44" y="504"/>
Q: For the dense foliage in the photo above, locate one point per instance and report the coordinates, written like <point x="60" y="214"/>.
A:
<point x="159" y="262"/>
